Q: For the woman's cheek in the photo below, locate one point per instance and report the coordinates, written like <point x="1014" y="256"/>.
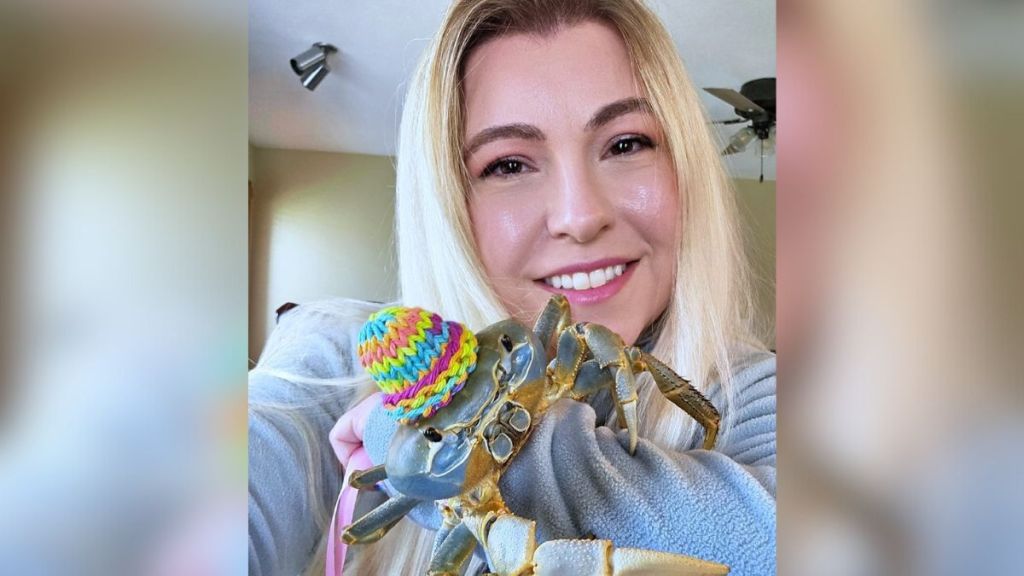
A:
<point x="642" y="201"/>
<point x="647" y="189"/>
<point x="499" y="229"/>
<point x="653" y="203"/>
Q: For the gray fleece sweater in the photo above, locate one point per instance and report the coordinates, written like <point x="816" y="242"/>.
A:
<point x="575" y="477"/>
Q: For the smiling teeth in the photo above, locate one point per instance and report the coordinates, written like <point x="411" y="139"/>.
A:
<point x="584" y="280"/>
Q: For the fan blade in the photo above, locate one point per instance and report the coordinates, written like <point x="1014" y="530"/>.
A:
<point x="733" y="121"/>
<point x="738" y="101"/>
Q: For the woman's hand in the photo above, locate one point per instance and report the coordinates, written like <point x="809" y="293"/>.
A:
<point x="347" y="435"/>
<point x="347" y="441"/>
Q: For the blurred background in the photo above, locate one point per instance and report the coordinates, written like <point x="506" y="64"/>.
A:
<point x="125" y="159"/>
<point x="899" y="284"/>
<point x="123" y="401"/>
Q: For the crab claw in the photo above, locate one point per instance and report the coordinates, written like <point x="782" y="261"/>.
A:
<point x="558" y="557"/>
<point x="510" y="543"/>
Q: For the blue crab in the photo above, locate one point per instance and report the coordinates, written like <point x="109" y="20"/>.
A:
<point x="456" y="457"/>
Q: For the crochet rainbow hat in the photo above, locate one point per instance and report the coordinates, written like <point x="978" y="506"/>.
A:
<point x="419" y="360"/>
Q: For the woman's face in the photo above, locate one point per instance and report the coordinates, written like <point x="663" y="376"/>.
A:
<point x="572" y="185"/>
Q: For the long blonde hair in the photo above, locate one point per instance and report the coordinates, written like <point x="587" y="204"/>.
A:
<point x="439" y="269"/>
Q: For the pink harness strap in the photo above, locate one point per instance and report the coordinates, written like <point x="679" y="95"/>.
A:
<point x="336" y="547"/>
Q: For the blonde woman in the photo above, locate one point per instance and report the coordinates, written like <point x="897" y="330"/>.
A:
<point x="548" y="147"/>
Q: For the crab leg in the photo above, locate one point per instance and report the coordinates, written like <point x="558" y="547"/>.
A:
<point x="363" y="479"/>
<point x="591" y="379"/>
<point x="377" y="522"/>
<point x="625" y="397"/>
<point x="682" y="394"/>
<point x="554" y="319"/>
<point x="610" y="367"/>
<point x="508" y="540"/>
<point x="612" y="354"/>
<point x="452" y="553"/>
<point x="569" y="355"/>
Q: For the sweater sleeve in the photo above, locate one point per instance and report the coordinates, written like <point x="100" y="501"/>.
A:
<point x="288" y="428"/>
<point x="283" y="532"/>
<point x="578" y="479"/>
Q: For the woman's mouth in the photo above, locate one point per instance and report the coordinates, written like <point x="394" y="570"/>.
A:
<point x="586" y="280"/>
<point x="590" y="286"/>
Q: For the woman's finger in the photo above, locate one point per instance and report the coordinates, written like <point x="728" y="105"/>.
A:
<point x="347" y="434"/>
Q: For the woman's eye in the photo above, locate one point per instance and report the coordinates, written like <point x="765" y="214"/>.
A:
<point x="630" y="145"/>
<point x="504" y="167"/>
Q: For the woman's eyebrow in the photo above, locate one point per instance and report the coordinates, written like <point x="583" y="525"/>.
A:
<point x="523" y="131"/>
<point x="606" y="114"/>
<point x="609" y="112"/>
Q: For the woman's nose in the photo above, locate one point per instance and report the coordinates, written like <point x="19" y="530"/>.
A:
<point x="578" y="207"/>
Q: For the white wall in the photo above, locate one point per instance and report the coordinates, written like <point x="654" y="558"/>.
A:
<point x="322" y="226"/>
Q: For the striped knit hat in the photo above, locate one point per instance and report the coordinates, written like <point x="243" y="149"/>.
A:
<point x="417" y="359"/>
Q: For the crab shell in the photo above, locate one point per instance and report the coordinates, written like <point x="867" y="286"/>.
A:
<point x="423" y="467"/>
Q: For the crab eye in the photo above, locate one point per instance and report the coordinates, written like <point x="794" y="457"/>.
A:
<point x="432" y="434"/>
<point x="506" y="342"/>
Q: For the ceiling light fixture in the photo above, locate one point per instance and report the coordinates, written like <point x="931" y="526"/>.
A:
<point x="311" y="65"/>
<point x="740" y="140"/>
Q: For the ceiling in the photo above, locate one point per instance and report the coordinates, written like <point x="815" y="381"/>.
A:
<point x="357" y="107"/>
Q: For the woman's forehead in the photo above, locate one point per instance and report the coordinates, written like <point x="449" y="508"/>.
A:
<point x="524" y="77"/>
